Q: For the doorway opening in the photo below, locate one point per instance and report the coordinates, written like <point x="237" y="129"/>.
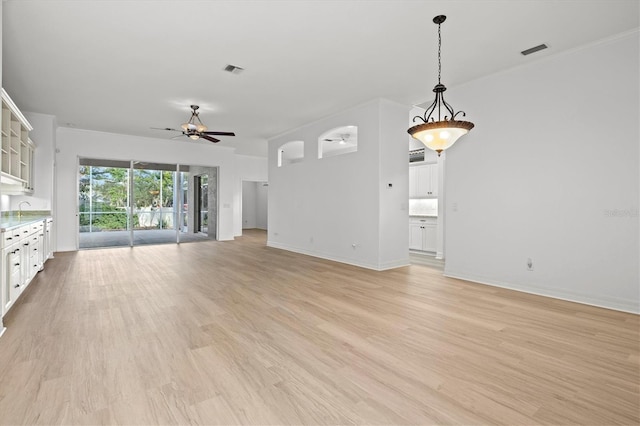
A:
<point x="254" y="205"/>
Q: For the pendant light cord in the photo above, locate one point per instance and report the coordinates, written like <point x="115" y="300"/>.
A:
<point x="439" y="53"/>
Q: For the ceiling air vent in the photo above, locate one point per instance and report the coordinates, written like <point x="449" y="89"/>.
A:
<point x="416" y="155"/>
<point x="534" y="49"/>
<point x="233" y="69"/>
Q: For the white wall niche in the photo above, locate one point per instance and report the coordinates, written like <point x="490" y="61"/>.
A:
<point x="338" y="141"/>
<point x="291" y="153"/>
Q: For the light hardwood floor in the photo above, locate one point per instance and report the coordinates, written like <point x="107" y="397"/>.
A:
<point x="238" y="333"/>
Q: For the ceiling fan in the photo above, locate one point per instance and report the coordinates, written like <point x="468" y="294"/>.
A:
<point x="342" y="140"/>
<point x="194" y="128"/>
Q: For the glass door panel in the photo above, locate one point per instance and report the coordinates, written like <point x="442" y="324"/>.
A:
<point x="202" y="203"/>
<point x="103" y="204"/>
<point x="154" y="216"/>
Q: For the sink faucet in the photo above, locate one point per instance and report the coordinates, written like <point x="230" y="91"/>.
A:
<point x="20" y="207"/>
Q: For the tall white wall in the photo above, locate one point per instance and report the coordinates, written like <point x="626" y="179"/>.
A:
<point x="74" y="143"/>
<point x="393" y="185"/>
<point x="341" y="207"/>
<point x="551" y="173"/>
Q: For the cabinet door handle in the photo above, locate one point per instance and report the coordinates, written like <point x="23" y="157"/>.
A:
<point x="16" y="286"/>
<point x="8" y="238"/>
<point x="16" y="264"/>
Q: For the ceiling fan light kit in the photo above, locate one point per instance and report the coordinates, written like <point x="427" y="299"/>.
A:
<point x="442" y="133"/>
<point x="191" y="125"/>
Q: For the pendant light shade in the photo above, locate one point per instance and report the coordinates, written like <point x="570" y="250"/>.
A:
<point x="442" y="133"/>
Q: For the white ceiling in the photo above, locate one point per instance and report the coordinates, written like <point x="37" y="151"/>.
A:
<point x="126" y="66"/>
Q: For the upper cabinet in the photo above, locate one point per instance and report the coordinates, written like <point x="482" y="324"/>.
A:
<point x="17" y="149"/>
<point x="423" y="181"/>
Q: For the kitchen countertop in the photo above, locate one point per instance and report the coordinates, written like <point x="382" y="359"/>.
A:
<point x="8" y="223"/>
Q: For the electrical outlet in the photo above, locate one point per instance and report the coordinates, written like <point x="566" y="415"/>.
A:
<point x="529" y="264"/>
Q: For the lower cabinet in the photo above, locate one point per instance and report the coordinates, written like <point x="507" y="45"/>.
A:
<point x="23" y="255"/>
<point x="11" y="274"/>
<point x="423" y="234"/>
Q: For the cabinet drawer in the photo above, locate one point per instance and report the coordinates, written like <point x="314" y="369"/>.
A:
<point x="37" y="227"/>
<point x="12" y="236"/>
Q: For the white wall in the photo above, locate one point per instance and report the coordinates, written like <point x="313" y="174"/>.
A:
<point x="550" y="172"/>
<point x="74" y="143"/>
<point x="341" y="208"/>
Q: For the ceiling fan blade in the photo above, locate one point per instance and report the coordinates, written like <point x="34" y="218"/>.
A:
<point x="219" y="133"/>
<point x="165" y="128"/>
<point x="209" y="138"/>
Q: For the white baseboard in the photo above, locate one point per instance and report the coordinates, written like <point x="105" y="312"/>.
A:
<point x="616" y="304"/>
<point x="381" y="267"/>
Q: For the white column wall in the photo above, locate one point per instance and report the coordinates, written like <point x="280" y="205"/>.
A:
<point x="393" y="185"/>
<point x="331" y="207"/>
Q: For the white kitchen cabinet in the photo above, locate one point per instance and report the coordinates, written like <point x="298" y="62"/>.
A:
<point x="16" y="150"/>
<point x="423" y="234"/>
<point x="23" y="255"/>
<point x="423" y="181"/>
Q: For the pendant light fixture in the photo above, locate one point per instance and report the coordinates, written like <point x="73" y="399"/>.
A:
<point x="439" y="134"/>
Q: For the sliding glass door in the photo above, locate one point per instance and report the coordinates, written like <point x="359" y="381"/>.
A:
<point x="127" y="203"/>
